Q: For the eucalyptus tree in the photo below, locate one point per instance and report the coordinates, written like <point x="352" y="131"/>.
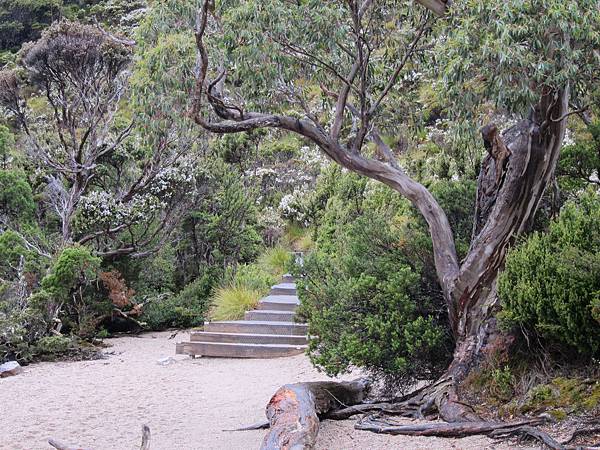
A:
<point x="110" y="189"/>
<point x="336" y="74"/>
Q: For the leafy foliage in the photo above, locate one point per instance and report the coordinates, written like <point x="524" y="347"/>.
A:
<point x="244" y="286"/>
<point x="188" y="308"/>
<point x="16" y="198"/>
<point x="23" y="20"/>
<point x="579" y="163"/>
<point x="370" y="292"/>
<point x="506" y="52"/>
<point x="68" y="285"/>
<point x="551" y="284"/>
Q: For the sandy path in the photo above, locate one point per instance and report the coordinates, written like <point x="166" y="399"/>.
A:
<point x="102" y="404"/>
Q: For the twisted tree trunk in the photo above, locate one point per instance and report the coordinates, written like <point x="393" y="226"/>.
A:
<point x="519" y="167"/>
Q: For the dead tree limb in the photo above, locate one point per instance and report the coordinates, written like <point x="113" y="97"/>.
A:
<point x="61" y="446"/>
<point x="145" y="438"/>
<point x="295" y="410"/>
<point x="145" y="442"/>
<point x="441" y="429"/>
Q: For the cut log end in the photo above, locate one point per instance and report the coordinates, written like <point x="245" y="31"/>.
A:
<point x="294" y="411"/>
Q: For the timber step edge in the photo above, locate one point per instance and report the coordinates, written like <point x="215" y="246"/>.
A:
<point x="257" y="327"/>
<point x="248" y="338"/>
<point x="237" y="350"/>
<point x="270" y="315"/>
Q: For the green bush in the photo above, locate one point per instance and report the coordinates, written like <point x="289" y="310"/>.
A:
<point x="369" y="305"/>
<point x="19" y="330"/>
<point x="275" y="261"/>
<point x="188" y="308"/>
<point x="54" y="345"/>
<point x="551" y="283"/>
<point x="244" y="286"/>
<point x="70" y="283"/>
<point x="370" y="292"/>
<point x="250" y="276"/>
<point x="16" y="197"/>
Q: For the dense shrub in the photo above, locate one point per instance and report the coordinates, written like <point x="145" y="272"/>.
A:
<point x="188" y="308"/>
<point x="370" y="291"/>
<point x="231" y="302"/>
<point x="69" y="288"/>
<point x="23" y="20"/>
<point x="370" y="306"/>
<point x="260" y="276"/>
<point x="19" y="330"/>
<point x="275" y="261"/>
<point x="551" y="284"/>
<point x="16" y="198"/>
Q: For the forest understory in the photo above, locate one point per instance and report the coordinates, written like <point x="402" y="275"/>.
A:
<point x="437" y="164"/>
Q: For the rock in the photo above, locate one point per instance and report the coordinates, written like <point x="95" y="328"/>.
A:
<point x="166" y="361"/>
<point x="9" y="369"/>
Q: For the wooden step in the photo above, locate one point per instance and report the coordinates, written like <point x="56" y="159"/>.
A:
<point x="279" y="302"/>
<point x="272" y="315"/>
<point x="236" y="350"/>
<point x="246" y="338"/>
<point x="287" y="278"/>
<point x="256" y="327"/>
<point x="283" y="289"/>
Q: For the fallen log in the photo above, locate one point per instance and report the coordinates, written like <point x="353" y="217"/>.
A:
<point x="294" y="411"/>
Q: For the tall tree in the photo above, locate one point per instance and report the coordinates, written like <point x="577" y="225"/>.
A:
<point x="120" y="194"/>
<point x="333" y="72"/>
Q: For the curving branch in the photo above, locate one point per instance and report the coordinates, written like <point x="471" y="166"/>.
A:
<point x="232" y="121"/>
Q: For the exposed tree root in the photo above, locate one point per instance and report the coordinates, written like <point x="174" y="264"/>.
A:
<point x="545" y="438"/>
<point x="295" y="410"/>
<point x="60" y="446"/>
<point x="262" y="425"/>
<point x="592" y="428"/>
<point x="383" y="425"/>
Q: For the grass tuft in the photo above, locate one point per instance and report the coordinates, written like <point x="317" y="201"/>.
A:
<point x="231" y="302"/>
<point x="275" y="261"/>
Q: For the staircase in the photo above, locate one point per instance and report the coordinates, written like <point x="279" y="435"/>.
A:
<point x="269" y="331"/>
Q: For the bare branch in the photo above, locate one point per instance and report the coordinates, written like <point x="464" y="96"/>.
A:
<point x="445" y="257"/>
<point x="439" y="7"/>
<point x="341" y="102"/>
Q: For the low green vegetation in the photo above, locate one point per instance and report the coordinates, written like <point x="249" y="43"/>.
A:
<point x="369" y="289"/>
<point x="275" y="261"/>
<point x="231" y="302"/>
<point x="245" y="285"/>
<point x="550" y="288"/>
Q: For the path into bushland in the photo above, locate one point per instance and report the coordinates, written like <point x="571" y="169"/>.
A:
<point x="102" y="404"/>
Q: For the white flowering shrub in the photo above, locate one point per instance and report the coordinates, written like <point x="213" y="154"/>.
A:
<point x="294" y="206"/>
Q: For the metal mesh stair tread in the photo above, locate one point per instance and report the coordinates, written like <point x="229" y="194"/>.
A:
<point x="220" y="333"/>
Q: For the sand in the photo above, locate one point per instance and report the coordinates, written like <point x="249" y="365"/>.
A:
<point x="102" y="404"/>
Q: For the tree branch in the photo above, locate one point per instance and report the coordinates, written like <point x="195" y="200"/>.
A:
<point x="445" y="257"/>
<point x="439" y="7"/>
